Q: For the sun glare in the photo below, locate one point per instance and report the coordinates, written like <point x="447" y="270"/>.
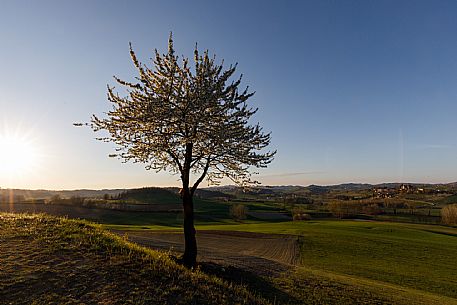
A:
<point x="17" y="155"/>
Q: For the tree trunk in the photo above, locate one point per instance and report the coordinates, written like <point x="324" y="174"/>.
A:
<point x="189" y="258"/>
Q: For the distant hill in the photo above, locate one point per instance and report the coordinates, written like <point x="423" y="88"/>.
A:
<point x="171" y="194"/>
<point x="322" y="189"/>
<point x="151" y="195"/>
<point x="223" y="188"/>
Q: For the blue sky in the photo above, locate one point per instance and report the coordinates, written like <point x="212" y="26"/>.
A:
<point x="353" y="91"/>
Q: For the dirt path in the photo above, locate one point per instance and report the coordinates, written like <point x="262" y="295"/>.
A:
<point x="262" y="254"/>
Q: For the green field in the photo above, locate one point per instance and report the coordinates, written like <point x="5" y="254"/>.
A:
<point x="421" y="257"/>
<point x="414" y="262"/>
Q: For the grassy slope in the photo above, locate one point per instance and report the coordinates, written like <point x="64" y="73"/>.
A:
<point x="321" y="287"/>
<point x="46" y="259"/>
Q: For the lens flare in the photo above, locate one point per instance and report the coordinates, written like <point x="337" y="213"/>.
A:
<point x="18" y="155"/>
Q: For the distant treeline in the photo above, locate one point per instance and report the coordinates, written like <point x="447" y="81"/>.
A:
<point x="146" y="195"/>
<point x="20" y="195"/>
<point x="343" y="208"/>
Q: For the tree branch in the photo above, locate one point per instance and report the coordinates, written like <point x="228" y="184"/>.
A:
<point x="173" y="156"/>
<point x="199" y="180"/>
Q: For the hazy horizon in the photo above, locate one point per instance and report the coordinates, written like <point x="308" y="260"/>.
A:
<point x="224" y="185"/>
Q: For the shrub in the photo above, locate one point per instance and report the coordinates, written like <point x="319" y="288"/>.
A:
<point x="238" y="211"/>
<point x="449" y="214"/>
<point x="300" y="214"/>
<point x="371" y="209"/>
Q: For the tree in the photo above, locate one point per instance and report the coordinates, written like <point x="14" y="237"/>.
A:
<point x="239" y="211"/>
<point x="449" y="214"/>
<point x="393" y="204"/>
<point x="341" y="208"/>
<point x="194" y="122"/>
<point x="55" y="198"/>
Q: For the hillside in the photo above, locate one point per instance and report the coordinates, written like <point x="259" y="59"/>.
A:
<point x="151" y="195"/>
<point x="47" y="259"/>
<point x="319" y="189"/>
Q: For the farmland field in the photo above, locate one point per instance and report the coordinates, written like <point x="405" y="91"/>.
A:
<point x="392" y="262"/>
<point x="301" y="262"/>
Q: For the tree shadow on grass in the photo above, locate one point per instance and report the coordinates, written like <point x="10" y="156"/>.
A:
<point x="260" y="285"/>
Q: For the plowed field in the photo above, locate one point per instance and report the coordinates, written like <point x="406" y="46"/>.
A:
<point x="263" y="254"/>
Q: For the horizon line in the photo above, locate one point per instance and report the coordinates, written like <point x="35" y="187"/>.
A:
<point x="225" y="185"/>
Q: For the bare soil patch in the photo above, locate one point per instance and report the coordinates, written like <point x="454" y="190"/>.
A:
<point x="262" y="254"/>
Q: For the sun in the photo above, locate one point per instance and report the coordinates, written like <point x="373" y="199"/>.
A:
<point x="17" y="155"/>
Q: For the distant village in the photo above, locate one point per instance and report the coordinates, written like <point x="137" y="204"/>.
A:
<point x="390" y="192"/>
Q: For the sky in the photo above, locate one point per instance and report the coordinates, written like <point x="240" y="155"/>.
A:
<point x="352" y="91"/>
